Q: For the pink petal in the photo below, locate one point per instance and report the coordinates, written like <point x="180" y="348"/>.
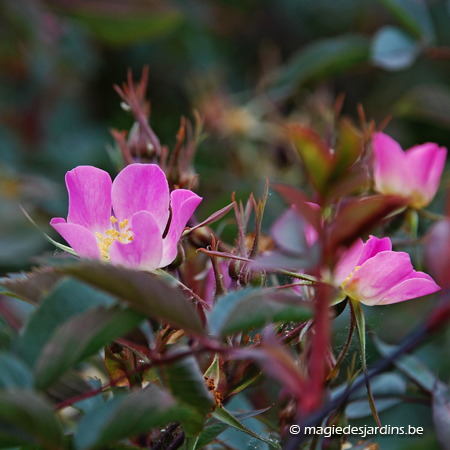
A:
<point x="348" y="261"/>
<point x="287" y="232"/>
<point x="372" y="281"/>
<point x="210" y="282"/>
<point x="311" y="234"/>
<point x="89" y="198"/>
<point x="183" y="203"/>
<point x="425" y="164"/>
<point x="141" y="187"/>
<point x="416" y="285"/>
<point x="389" y="174"/>
<point x="145" y="250"/>
<point x="79" y="238"/>
<point x="374" y="246"/>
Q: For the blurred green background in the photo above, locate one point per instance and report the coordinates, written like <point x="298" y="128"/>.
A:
<point x="248" y="67"/>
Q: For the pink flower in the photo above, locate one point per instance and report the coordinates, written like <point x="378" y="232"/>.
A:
<point x="132" y="235"/>
<point x="375" y="275"/>
<point x="414" y="174"/>
<point x="210" y="281"/>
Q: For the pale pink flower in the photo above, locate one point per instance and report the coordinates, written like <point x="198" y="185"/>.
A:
<point x="375" y="275"/>
<point x="124" y="221"/>
<point x="414" y="174"/>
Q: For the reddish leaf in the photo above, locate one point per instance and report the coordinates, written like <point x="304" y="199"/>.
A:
<point x="118" y="365"/>
<point x="212" y="218"/>
<point x="30" y="286"/>
<point x="348" y="148"/>
<point x="358" y="216"/>
<point x="279" y="363"/>
<point x="315" y="154"/>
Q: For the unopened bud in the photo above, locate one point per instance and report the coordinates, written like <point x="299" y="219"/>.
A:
<point x="234" y="269"/>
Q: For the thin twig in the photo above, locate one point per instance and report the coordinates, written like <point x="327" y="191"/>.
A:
<point x="156" y="361"/>
<point x="177" y="442"/>
<point x="170" y="429"/>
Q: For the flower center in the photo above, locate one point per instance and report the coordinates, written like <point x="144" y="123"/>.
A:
<point x="122" y="235"/>
<point x="348" y="278"/>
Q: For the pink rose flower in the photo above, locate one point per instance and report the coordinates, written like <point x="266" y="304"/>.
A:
<point x="375" y="275"/>
<point x="124" y="221"/>
<point x="414" y="174"/>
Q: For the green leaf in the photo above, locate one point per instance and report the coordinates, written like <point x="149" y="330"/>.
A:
<point x="119" y="366"/>
<point x="144" y="292"/>
<point x="213" y="371"/>
<point x="321" y="59"/>
<point x="131" y="415"/>
<point x="414" y="16"/>
<point x="251" y="308"/>
<point x="30" y="286"/>
<point x="25" y="418"/>
<point x="89" y="404"/>
<point x="129" y="28"/>
<point x="388" y="384"/>
<point x="80" y="337"/>
<point x="190" y="443"/>
<point x="214" y="427"/>
<point x="13" y="372"/>
<point x="186" y="383"/>
<point x="387" y="388"/>
<point x="361" y="328"/>
<point x="409" y="365"/>
<point x="361" y="408"/>
<point x="70" y="385"/>
<point x="393" y="50"/>
<point x="226" y="417"/>
<point x="68" y="298"/>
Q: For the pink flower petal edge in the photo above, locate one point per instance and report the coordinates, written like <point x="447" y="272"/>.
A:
<point x="375" y="275"/>
<point x="183" y="203"/>
<point x="348" y="261"/>
<point x="414" y="174"/>
<point x="141" y="187"/>
<point x="79" y="238"/>
<point x="89" y="191"/>
<point x="416" y="285"/>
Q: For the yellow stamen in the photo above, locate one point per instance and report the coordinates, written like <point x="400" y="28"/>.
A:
<point x="348" y="278"/>
<point x="112" y="234"/>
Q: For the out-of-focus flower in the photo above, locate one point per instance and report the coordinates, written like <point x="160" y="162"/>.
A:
<point x="131" y="235"/>
<point x="414" y="174"/>
<point x="375" y="275"/>
<point x="285" y="229"/>
<point x="210" y="281"/>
